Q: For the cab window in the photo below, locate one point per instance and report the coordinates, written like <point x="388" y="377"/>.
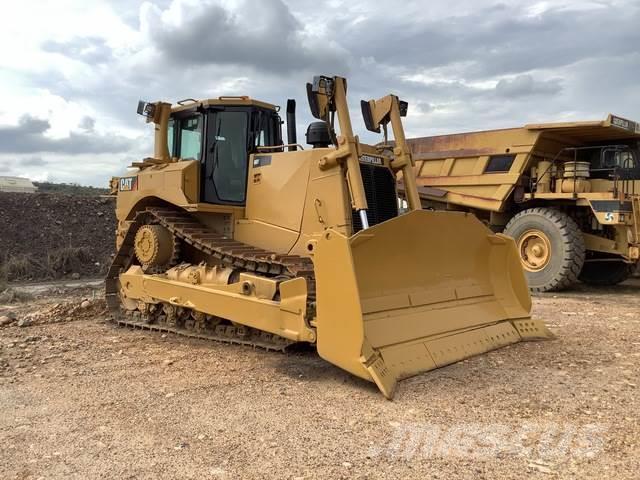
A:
<point x="499" y="163"/>
<point x="623" y="159"/>
<point x="190" y="138"/>
<point x="264" y="129"/>
<point x="170" y="134"/>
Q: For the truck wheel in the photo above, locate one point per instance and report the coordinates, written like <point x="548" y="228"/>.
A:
<point x="605" y="273"/>
<point x="551" y="248"/>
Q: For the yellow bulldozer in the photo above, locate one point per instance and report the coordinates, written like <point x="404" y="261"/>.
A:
<point x="567" y="192"/>
<point x="226" y="233"/>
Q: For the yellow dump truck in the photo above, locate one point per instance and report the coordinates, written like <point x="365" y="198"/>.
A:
<point x="568" y="193"/>
<point x="225" y="233"/>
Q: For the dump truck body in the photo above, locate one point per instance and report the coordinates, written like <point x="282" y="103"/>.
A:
<point x="257" y="245"/>
<point x="587" y="173"/>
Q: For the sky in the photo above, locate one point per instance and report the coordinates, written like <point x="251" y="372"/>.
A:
<point x="72" y="71"/>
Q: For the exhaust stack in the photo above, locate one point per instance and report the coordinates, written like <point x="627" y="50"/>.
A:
<point x="292" y="137"/>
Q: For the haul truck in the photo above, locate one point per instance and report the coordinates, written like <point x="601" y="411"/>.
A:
<point x="568" y="193"/>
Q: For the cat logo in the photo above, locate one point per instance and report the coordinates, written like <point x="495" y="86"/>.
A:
<point x="128" y="184"/>
<point x="371" y="160"/>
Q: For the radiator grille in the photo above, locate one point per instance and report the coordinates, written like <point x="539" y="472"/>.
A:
<point x="380" y="190"/>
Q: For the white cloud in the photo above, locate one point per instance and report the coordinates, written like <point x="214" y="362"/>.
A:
<point x="462" y="64"/>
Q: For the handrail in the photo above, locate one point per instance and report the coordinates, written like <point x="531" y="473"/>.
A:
<point x="273" y="147"/>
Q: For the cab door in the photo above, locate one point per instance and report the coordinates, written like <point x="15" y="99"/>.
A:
<point x="225" y="161"/>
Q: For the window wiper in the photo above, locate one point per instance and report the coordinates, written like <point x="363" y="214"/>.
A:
<point x="214" y="149"/>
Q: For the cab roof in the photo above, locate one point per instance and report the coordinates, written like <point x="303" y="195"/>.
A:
<point x="190" y="103"/>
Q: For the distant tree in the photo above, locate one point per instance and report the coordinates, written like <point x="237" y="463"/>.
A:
<point x="70" y="189"/>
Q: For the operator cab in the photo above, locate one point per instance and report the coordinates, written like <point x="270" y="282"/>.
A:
<point x="611" y="161"/>
<point x="221" y="134"/>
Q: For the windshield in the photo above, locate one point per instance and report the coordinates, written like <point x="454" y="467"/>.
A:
<point x="229" y="152"/>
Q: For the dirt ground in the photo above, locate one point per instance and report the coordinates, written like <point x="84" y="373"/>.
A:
<point x="55" y="235"/>
<point x="81" y="398"/>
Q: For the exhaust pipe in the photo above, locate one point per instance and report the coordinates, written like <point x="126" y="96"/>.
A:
<point x="292" y="138"/>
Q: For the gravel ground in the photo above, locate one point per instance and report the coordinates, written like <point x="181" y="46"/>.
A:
<point x="83" y="399"/>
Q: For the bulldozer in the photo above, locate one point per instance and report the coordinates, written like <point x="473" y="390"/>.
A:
<point x="567" y="192"/>
<point x="227" y="233"/>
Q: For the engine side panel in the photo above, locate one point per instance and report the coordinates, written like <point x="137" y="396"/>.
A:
<point x="176" y="183"/>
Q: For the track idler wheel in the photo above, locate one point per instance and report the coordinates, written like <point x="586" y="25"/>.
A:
<point x="155" y="247"/>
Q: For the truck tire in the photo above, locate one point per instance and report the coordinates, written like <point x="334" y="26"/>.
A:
<point x="551" y="248"/>
<point x="605" y="273"/>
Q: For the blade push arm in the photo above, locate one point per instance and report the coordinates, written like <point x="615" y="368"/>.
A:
<point x="386" y="110"/>
<point x="328" y="95"/>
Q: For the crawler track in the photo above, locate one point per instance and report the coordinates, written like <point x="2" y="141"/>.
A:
<point x="220" y="249"/>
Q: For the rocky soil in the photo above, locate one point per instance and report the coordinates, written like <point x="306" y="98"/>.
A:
<point x="81" y="398"/>
<point x="46" y="235"/>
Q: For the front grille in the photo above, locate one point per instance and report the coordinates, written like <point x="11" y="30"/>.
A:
<point x="380" y="190"/>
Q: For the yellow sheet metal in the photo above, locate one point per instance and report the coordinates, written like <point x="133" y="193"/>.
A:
<point x="418" y="292"/>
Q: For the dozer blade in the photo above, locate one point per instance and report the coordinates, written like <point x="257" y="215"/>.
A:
<point x="418" y="292"/>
